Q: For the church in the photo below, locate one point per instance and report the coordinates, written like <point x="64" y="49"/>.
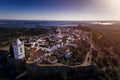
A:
<point x="18" y="49"/>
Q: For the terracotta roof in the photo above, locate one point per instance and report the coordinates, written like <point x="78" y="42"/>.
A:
<point x="59" y="55"/>
<point x="63" y="49"/>
<point x="50" y="59"/>
<point x="36" y="53"/>
<point x="31" y="50"/>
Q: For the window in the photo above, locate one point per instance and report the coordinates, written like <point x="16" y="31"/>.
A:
<point x="20" y="50"/>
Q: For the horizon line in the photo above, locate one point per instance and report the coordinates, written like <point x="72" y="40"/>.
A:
<point x="53" y="20"/>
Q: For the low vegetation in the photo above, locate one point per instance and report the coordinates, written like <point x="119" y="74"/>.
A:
<point x="107" y="60"/>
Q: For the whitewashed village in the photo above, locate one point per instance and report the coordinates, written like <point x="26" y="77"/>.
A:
<point x="66" y="46"/>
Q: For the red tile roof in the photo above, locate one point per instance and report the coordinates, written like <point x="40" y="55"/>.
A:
<point x="35" y="53"/>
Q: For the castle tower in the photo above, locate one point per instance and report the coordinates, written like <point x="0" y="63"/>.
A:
<point x="18" y="49"/>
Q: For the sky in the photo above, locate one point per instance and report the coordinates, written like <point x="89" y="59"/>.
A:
<point x="60" y="9"/>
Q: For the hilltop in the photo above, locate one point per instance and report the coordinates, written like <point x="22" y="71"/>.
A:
<point x="105" y="52"/>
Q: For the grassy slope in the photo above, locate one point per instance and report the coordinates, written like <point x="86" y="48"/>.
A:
<point x="108" y="49"/>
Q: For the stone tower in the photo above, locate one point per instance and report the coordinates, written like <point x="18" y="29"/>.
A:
<point x="18" y="49"/>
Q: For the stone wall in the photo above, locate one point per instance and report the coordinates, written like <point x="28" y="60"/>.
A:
<point x="51" y="69"/>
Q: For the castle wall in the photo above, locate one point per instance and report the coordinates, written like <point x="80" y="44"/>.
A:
<point x="51" y="69"/>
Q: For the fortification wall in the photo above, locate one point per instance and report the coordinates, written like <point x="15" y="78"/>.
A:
<point x="53" y="69"/>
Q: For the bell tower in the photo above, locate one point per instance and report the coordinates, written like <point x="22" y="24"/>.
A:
<point x="18" y="49"/>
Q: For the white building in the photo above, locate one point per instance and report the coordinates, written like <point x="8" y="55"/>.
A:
<point x="18" y="48"/>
